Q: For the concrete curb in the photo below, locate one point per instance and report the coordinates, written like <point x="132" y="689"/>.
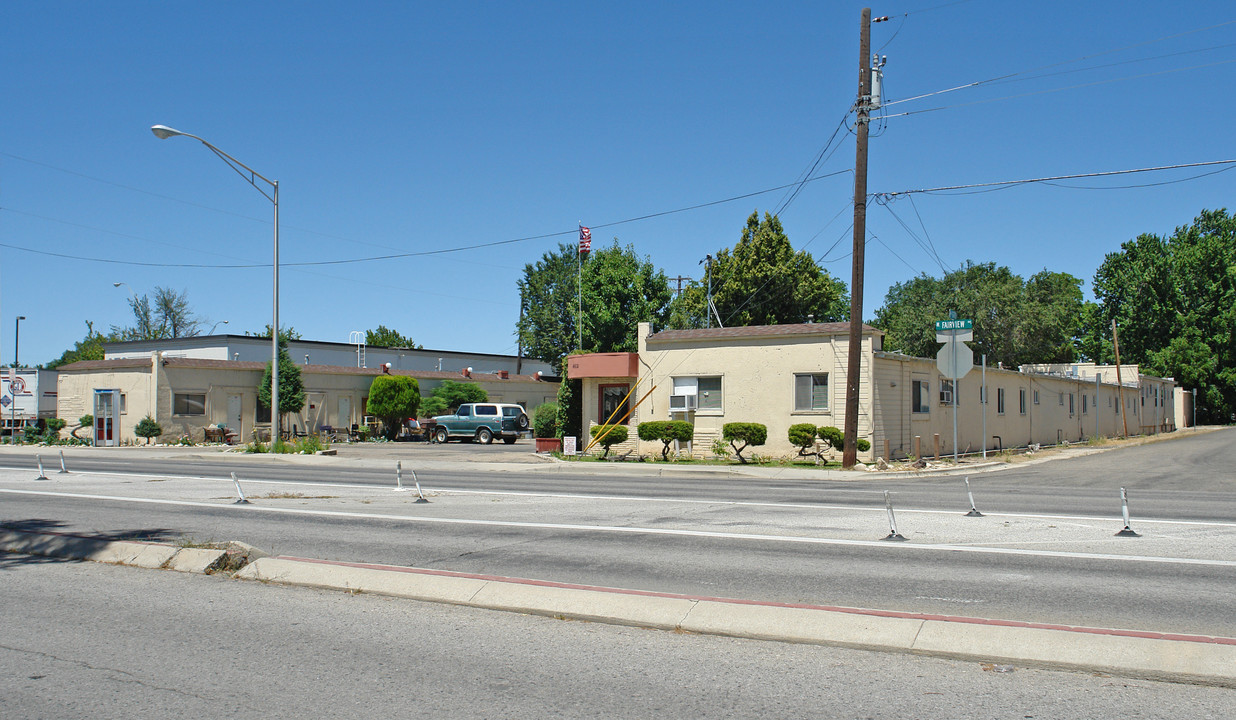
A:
<point x="1187" y="658"/>
<point x="1138" y="654"/>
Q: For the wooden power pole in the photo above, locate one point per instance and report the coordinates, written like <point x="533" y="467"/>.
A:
<point x="854" y="360"/>
<point x="1124" y="409"/>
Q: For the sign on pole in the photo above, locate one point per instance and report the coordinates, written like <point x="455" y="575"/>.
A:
<point x="954" y="325"/>
<point x="954" y="360"/>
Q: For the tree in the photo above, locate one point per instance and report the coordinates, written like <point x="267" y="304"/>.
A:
<point x="609" y="435"/>
<point x="1174" y="302"/>
<point x="619" y="289"/>
<point x="667" y="431"/>
<point x="749" y="434"/>
<point x="392" y="399"/>
<point x="291" y="386"/>
<point x="1015" y="321"/>
<point x="286" y="334"/>
<point x="88" y="348"/>
<point x="148" y="428"/>
<point x="386" y="337"/>
<point x="763" y="281"/>
<point x="447" y="397"/>
<point x="168" y="315"/>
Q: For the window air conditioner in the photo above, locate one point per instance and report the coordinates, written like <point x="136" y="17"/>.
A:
<point x="682" y="403"/>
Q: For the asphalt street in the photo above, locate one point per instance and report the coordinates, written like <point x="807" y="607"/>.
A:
<point x="787" y="541"/>
<point x="85" y="640"/>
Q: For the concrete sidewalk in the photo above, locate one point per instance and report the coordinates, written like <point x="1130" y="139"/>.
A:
<point x="1182" y="658"/>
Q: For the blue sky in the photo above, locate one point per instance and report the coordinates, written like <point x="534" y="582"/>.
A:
<point x="410" y="127"/>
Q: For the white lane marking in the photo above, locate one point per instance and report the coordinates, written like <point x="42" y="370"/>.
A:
<point x="695" y="501"/>
<point x="640" y="530"/>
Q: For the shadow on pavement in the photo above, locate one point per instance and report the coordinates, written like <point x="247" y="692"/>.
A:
<point x="62" y="546"/>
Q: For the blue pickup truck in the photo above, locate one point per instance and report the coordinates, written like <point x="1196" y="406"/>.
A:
<point x="481" y="422"/>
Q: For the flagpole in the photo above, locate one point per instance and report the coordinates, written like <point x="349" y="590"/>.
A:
<point x="579" y="287"/>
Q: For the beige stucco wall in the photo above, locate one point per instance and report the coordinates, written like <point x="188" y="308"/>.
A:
<point x="757" y="376"/>
<point x="145" y="393"/>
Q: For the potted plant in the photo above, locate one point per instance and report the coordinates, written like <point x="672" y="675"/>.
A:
<point x="545" y="428"/>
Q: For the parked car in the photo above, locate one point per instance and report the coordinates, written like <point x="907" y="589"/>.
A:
<point x="482" y="422"/>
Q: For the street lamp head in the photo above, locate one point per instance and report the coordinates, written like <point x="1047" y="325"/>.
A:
<point x="164" y="132"/>
<point x="117" y="284"/>
<point x="21" y="317"/>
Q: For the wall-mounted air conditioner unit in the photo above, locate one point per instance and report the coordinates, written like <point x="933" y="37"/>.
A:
<point x="682" y="403"/>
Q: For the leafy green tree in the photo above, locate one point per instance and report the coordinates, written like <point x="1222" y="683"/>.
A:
<point x="148" y="428"/>
<point x="1174" y="302"/>
<point x="447" y="397"/>
<point x="393" y="398"/>
<point x="291" y="386"/>
<point x="620" y="290"/>
<point x="88" y="348"/>
<point x="386" y="337"/>
<point x="286" y="334"/>
<point x="802" y="435"/>
<point x="763" y="281"/>
<point x="1015" y="321"/>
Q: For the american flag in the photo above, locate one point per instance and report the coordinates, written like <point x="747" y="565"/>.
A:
<point x="585" y="239"/>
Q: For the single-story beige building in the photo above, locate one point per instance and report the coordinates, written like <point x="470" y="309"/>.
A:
<point x="185" y="395"/>
<point x="780" y="375"/>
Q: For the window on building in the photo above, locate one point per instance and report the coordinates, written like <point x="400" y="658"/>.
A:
<point x="1062" y="399"/>
<point x="947" y="388"/>
<point x="920" y="399"/>
<point x="613" y="404"/>
<point x="189" y="404"/>
<point x="262" y="415"/>
<point x="1036" y="397"/>
<point x="124" y="406"/>
<point x="1085" y="404"/>
<point x="709" y="394"/>
<point x="1021" y="400"/>
<point x="1070" y="404"/>
<point x="811" y="392"/>
<point x="999" y="401"/>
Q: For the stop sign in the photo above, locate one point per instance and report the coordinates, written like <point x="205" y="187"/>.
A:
<point x="954" y="360"/>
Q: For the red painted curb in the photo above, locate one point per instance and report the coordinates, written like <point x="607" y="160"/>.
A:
<point x="1149" y="635"/>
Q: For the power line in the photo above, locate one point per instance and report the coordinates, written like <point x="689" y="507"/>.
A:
<point x="1010" y="183"/>
<point x="393" y="256"/>
<point x="1058" y="64"/>
<point x="1070" y="87"/>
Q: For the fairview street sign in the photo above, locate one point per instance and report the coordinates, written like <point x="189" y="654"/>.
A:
<point x="954" y="325"/>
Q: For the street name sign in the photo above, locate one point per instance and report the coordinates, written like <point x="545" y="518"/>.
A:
<point x="954" y="325"/>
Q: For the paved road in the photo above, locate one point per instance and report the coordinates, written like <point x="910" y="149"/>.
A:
<point x="83" y="640"/>
<point x="683" y="535"/>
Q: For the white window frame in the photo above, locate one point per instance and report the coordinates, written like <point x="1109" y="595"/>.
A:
<point x="813" y="389"/>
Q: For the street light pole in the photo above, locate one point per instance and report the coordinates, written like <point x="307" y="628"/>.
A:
<point x="163" y="132"/>
<point x="212" y="327"/>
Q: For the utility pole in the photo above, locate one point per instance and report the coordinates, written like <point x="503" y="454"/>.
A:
<point x="680" y="280"/>
<point x="1124" y="409"/>
<point x="849" y="454"/>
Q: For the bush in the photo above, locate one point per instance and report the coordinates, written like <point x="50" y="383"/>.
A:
<point x="86" y="420"/>
<point x="148" y="429"/>
<point x="545" y="420"/>
<point x="749" y="434"/>
<point x="863" y="445"/>
<point x="802" y="435"/>
<point x="54" y="426"/>
<point x="831" y="435"/>
<point x="667" y="431"/>
<point x="609" y="435"/>
<point x="393" y="398"/>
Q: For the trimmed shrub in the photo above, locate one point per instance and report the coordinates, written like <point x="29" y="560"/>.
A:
<point x="802" y="435"/>
<point x="545" y="420"/>
<point x="392" y="398"/>
<point x="609" y="435"/>
<point x="749" y="434"/>
<point x="832" y="436"/>
<point x="667" y="431"/>
<point x="148" y="429"/>
<point x="863" y="445"/>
